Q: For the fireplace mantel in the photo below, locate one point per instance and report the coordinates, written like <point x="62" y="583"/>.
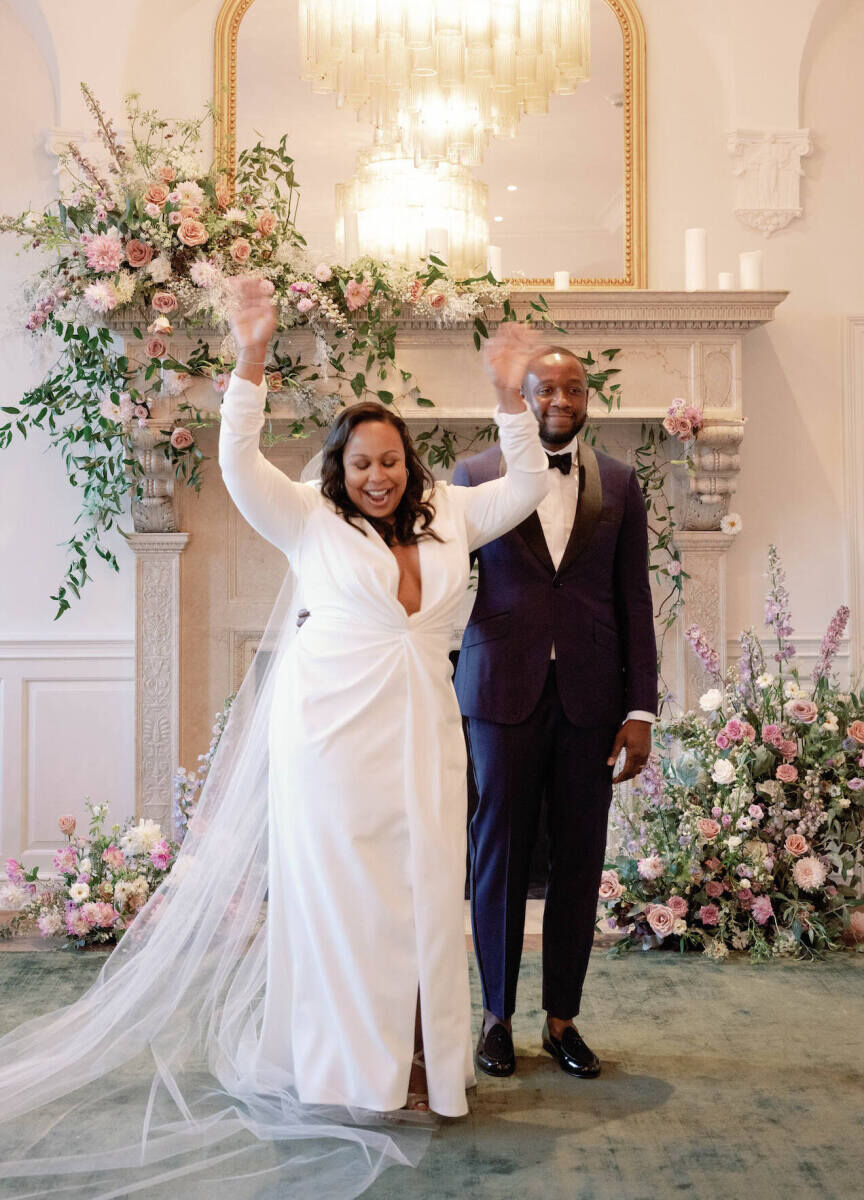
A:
<point x="205" y="583"/>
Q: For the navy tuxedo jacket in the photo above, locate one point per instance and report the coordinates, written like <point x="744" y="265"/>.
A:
<point x="596" y="608"/>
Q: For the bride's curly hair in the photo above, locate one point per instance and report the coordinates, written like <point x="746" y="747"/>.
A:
<point x="412" y="507"/>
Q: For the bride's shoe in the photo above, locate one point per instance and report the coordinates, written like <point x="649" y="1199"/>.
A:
<point x="418" y="1101"/>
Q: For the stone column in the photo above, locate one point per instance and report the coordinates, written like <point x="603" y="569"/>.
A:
<point x="157" y="671"/>
<point x="703" y="558"/>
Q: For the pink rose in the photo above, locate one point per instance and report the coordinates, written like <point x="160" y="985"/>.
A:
<point x="709" y="914"/>
<point x="749" y="731"/>
<point x="708" y="828"/>
<point x="138" y="253"/>
<point x="714" y="889"/>
<point x="357" y="294"/>
<point x="661" y="919"/>
<point x="240" y="250"/>
<point x="735" y="729"/>
<point x="788" y="747"/>
<point x="611" y="887"/>
<point x="221" y="380"/>
<point x="156" y="347"/>
<point x="174" y="218"/>
<point x="323" y="273"/>
<point x="152" y="210"/>
<point x="796" y="844"/>
<point x="166" y="174"/>
<point x="771" y="734"/>
<point x="141" y="412"/>
<point x="190" y="210"/>
<point x="803" y="711"/>
<point x="157" y="193"/>
<point x="274" y="382"/>
<point x="856" y="924"/>
<point x="415" y="291"/>
<point x="66" y="825"/>
<point x="722" y="741"/>
<point x="438" y="300"/>
<point x="164" y="302"/>
<point x="756" y="811"/>
<point x="683" y="428"/>
<point x="191" y="232"/>
<point x="856" y="731"/>
<point x="713" y="864"/>
<point x="223" y="193"/>
<point x="181" y="439"/>
<point x="677" y="906"/>
<point x="786" y="773"/>
<point x="266" y="223"/>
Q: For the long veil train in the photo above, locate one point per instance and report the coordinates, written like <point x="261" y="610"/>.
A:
<point x="158" y="1061"/>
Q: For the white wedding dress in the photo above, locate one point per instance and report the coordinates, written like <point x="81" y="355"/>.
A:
<point x="367" y="782"/>
<point x="222" y="1052"/>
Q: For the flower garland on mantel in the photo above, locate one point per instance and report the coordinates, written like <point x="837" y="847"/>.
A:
<point x="151" y="232"/>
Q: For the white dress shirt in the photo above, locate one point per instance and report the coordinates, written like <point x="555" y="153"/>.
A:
<point x="557" y="512"/>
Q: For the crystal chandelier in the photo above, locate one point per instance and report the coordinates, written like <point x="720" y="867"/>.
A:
<point x="391" y="206"/>
<point x="439" y="77"/>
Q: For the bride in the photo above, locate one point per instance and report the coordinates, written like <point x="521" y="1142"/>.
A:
<point x="339" y="792"/>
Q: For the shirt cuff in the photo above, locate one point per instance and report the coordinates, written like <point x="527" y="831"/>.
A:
<point x="245" y="394"/>
<point x="639" y="715"/>
<point x="507" y="418"/>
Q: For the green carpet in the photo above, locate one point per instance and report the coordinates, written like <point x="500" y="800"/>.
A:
<point x="731" y="1081"/>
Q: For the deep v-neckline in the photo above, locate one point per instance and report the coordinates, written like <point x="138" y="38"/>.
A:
<point x="395" y="561"/>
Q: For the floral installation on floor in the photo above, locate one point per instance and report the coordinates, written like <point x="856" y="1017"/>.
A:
<point x="746" y="828"/>
<point x="103" y="879"/>
<point x="152" y="238"/>
<point x="188" y="784"/>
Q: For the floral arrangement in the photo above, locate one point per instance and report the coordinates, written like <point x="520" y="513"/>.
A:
<point x="683" y="420"/>
<point x="188" y="784"/>
<point x="103" y="879"/>
<point x="746" y="829"/>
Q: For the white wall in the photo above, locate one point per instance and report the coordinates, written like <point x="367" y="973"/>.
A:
<point x="711" y="68"/>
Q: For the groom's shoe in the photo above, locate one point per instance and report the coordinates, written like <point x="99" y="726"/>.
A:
<point x="495" y="1053"/>
<point x="572" y="1054"/>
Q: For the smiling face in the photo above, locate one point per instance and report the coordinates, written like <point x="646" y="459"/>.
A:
<point x="555" y="388"/>
<point x="375" y="472"/>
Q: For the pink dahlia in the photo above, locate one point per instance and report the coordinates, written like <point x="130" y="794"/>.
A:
<point x="112" y="856"/>
<point x="357" y="294"/>
<point x="105" y="252"/>
<point x="650" y="868"/>
<point x="101" y="296"/>
<point x="809" y="873"/>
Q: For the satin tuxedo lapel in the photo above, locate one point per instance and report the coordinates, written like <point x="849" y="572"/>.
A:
<point x="588" y="510"/>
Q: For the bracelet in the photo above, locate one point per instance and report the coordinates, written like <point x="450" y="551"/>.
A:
<point x="255" y="362"/>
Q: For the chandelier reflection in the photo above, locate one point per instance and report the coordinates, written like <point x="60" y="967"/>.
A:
<point x="398" y="211"/>
<point x="439" y="77"/>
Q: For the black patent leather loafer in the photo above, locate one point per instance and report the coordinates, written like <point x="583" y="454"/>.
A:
<point x="495" y="1053"/>
<point x="571" y="1053"/>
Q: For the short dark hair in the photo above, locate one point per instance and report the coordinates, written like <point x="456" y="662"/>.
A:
<point x="412" y="505"/>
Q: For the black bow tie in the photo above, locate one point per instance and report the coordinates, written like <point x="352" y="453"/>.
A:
<point x="561" y="462"/>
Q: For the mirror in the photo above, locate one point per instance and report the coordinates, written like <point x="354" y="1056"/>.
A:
<point x="569" y="189"/>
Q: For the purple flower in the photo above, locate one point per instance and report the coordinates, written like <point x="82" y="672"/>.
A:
<point x="756" y="812"/>
<point x="716" y="812"/>
<point x="831" y="644"/>
<point x="725" y="820"/>
<point x="855" y="784"/>
<point x="706" y="654"/>
<point x="777" y="612"/>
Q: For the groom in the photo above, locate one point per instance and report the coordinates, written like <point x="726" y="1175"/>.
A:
<point x="557" y="675"/>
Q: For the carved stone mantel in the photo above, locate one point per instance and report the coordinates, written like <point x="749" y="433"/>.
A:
<point x="671" y="344"/>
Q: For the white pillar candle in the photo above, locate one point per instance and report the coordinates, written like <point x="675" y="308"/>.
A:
<point x="438" y="243"/>
<point x="750" y="269"/>
<point x="493" y="261"/>
<point x="562" y="281"/>
<point x="725" y="282"/>
<point x="695" y="260"/>
<point x="352" y="240"/>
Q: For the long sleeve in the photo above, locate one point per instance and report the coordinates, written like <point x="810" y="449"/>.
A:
<point x="499" y="505"/>
<point x="273" y="504"/>
<point x="635" y="606"/>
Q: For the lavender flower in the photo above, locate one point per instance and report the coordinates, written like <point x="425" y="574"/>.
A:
<point x="703" y="650"/>
<point x="831" y="644"/>
<point x="777" y="612"/>
<point x="751" y="664"/>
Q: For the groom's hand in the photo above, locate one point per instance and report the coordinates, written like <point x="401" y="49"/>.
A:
<point x="634" y="737"/>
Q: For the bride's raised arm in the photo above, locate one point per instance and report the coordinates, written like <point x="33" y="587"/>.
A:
<point x="272" y="503"/>
<point x="495" y="507"/>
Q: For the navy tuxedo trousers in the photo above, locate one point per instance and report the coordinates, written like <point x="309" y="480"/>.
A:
<point x="514" y="766"/>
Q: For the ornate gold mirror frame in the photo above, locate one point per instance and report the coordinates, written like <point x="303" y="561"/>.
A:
<point x="635" y="275"/>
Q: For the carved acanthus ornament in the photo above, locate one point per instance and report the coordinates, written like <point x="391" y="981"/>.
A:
<point x="768" y="169"/>
<point x="714" y="480"/>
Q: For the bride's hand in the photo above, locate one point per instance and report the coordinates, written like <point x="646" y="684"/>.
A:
<point x="253" y="318"/>
<point x="509" y="351"/>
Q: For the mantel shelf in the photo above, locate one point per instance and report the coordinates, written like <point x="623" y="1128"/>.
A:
<point x="589" y="310"/>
